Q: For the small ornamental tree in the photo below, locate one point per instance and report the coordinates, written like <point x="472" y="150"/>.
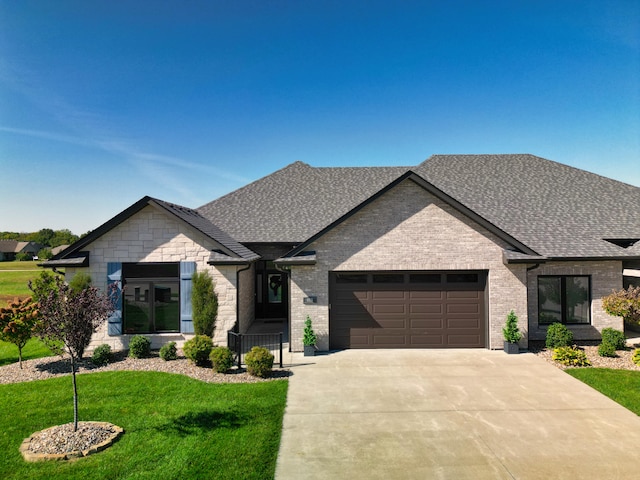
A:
<point x="44" y="284"/>
<point x="66" y="322"/>
<point x="204" y="304"/>
<point x="17" y="322"/>
<point x="625" y="304"/>
<point x="511" y="332"/>
<point x="309" y="338"/>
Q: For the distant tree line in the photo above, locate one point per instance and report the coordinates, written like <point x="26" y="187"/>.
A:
<point x="46" y="237"/>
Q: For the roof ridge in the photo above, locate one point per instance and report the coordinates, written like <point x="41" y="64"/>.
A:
<point x="298" y="164"/>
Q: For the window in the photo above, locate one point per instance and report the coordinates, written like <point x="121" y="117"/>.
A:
<point x="425" y="278"/>
<point x="462" y="278"/>
<point x="388" y="278"/>
<point x="351" y="278"/>
<point x="564" y="299"/>
<point x="151" y="298"/>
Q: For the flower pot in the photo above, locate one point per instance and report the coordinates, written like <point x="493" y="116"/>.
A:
<point x="309" y="351"/>
<point x="511" y="347"/>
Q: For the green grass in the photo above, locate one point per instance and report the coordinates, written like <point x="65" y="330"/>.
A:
<point x="622" y="386"/>
<point x="175" y="427"/>
<point x="14" y="279"/>
<point x="33" y="349"/>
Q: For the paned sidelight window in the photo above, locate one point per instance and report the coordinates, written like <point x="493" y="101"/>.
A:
<point x="565" y="299"/>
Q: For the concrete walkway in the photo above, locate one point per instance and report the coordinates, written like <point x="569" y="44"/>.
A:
<point x="449" y="414"/>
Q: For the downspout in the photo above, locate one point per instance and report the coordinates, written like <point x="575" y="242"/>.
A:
<point x="236" y="327"/>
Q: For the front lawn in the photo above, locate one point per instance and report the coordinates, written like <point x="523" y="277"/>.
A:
<point x="14" y="279"/>
<point x="622" y="386"/>
<point x="175" y="427"/>
<point x="33" y="349"/>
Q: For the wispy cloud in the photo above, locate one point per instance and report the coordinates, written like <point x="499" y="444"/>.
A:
<point x="164" y="170"/>
<point x="93" y="130"/>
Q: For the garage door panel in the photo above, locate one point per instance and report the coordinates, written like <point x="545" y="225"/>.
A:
<point x="463" y="323"/>
<point x="462" y="341"/>
<point x="435" y="295"/>
<point x="388" y="295"/>
<point x="376" y="314"/>
<point x="462" y="294"/>
<point x="389" y="323"/>
<point x="355" y="340"/>
<point x="426" y="310"/>
<point x="395" y="341"/>
<point x="462" y="308"/>
<point x="427" y="341"/>
<point x="427" y="323"/>
<point x="399" y="309"/>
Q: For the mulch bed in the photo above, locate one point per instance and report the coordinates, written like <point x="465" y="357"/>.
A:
<point x="621" y="362"/>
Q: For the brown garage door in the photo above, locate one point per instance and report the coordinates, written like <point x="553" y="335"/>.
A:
<point x="407" y="309"/>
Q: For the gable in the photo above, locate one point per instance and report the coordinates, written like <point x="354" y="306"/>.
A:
<point x="557" y="210"/>
<point x="182" y="219"/>
<point x="408" y="227"/>
<point x="422" y="186"/>
<point x="293" y="203"/>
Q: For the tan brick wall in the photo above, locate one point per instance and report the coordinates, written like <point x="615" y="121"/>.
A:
<point x="606" y="276"/>
<point x="408" y="229"/>
<point x="151" y="235"/>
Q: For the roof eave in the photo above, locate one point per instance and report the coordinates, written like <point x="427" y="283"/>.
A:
<point x="304" y="258"/>
<point x="79" y="261"/>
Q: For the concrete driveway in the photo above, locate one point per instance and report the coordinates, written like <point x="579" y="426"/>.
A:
<point x="452" y="414"/>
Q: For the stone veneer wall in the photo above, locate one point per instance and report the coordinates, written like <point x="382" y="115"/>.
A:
<point x="606" y="276"/>
<point x="151" y="235"/>
<point x="408" y="229"/>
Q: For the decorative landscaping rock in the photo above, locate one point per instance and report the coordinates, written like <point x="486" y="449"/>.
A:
<point x="62" y="443"/>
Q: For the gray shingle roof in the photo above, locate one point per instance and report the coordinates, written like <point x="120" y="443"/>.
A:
<point x="555" y="210"/>
<point x="293" y="203"/>
<point x="235" y="250"/>
<point x="200" y="223"/>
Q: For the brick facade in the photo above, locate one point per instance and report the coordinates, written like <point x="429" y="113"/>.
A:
<point x="408" y="229"/>
<point x="606" y="276"/>
<point x="153" y="236"/>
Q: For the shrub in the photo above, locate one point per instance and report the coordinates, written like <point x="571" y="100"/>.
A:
<point x="625" y="304"/>
<point x="558" y="336"/>
<point x="23" y="257"/>
<point x="204" y="303"/>
<point x="571" y="356"/>
<point x="607" y="350"/>
<point x="309" y="338"/>
<point x="198" y="349"/>
<point x="615" y="338"/>
<point x="636" y="356"/>
<point x="511" y="332"/>
<point x="221" y="359"/>
<point x="139" y="347"/>
<point x="259" y="361"/>
<point x="80" y="281"/>
<point x="101" y="355"/>
<point x="169" y="351"/>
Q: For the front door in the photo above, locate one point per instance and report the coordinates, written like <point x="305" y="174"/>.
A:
<point x="272" y="291"/>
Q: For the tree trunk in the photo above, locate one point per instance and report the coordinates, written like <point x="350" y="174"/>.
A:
<point x="75" y="394"/>
<point x="20" y="356"/>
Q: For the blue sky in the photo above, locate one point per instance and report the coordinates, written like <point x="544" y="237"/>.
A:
<point x="103" y="102"/>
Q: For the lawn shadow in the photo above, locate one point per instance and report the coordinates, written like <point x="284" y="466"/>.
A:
<point x="206" y="420"/>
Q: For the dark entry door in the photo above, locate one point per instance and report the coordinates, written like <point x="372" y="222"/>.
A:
<point x="272" y="291"/>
